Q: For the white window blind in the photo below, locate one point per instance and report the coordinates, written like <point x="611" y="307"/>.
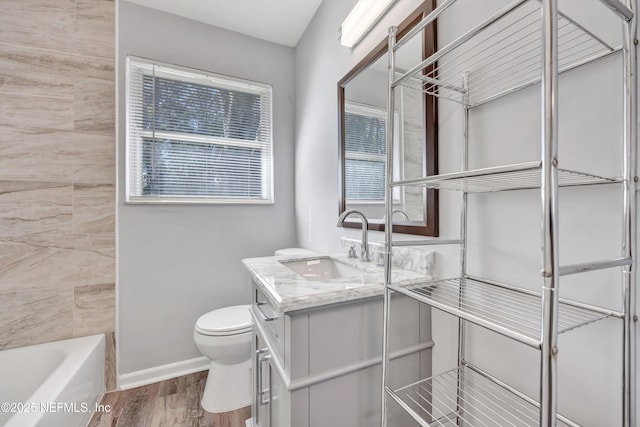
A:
<point x="365" y="152"/>
<point x="194" y="136"/>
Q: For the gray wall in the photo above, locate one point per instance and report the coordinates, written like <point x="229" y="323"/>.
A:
<point x="504" y="228"/>
<point x="369" y="87"/>
<point x="178" y="262"/>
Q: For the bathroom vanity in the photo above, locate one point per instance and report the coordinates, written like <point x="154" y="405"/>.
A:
<point x="317" y="347"/>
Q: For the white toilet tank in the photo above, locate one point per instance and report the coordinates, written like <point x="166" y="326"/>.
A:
<point x="293" y="252"/>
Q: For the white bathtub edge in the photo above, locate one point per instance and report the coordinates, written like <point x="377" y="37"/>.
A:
<point x="96" y="402"/>
<point x="82" y="368"/>
<point x="162" y="372"/>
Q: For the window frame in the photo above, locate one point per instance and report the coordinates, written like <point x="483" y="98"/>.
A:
<point x="196" y="76"/>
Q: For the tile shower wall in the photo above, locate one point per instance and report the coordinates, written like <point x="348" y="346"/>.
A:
<point x="57" y="171"/>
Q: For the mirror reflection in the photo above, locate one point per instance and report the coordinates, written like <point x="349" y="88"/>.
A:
<point x="363" y="106"/>
<point x="365" y="118"/>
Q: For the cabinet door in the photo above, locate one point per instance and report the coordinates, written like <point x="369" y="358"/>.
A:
<point x="279" y="400"/>
<point x="261" y="383"/>
<point x="272" y="400"/>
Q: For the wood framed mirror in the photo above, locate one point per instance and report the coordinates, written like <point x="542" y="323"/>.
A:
<point x="362" y="106"/>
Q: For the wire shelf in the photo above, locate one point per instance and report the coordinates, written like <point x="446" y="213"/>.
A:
<point x="510" y="311"/>
<point x="485" y="401"/>
<point x="502" y="178"/>
<point x="502" y="55"/>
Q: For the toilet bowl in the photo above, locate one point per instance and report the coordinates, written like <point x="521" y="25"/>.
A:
<point x="224" y="336"/>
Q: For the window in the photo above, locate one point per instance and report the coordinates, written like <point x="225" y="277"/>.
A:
<point x="196" y="137"/>
<point x="366" y="153"/>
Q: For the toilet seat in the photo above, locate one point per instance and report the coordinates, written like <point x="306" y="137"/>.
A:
<point x="225" y="321"/>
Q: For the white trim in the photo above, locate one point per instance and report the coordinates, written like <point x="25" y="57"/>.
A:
<point x="358" y="155"/>
<point x="203" y="139"/>
<point x="362" y="109"/>
<point x="162" y="372"/>
<point x="188" y="200"/>
<point x="188" y="74"/>
<point x="365" y="202"/>
<point x="118" y="195"/>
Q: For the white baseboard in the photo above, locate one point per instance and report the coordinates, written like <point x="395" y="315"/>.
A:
<point x="163" y="372"/>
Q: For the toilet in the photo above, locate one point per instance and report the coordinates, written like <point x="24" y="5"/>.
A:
<point x="224" y="336"/>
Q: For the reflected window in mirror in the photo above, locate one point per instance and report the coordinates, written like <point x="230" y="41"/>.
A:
<point x="365" y="154"/>
<point x="362" y="96"/>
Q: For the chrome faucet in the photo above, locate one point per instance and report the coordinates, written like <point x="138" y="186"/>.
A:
<point x="364" y="246"/>
<point x="397" y="211"/>
<point x="401" y="212"/>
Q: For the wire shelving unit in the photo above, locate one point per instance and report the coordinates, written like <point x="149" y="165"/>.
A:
<point x="525" y="43"/>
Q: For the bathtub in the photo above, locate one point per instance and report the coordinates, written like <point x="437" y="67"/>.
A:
<point x="57" y="384"/>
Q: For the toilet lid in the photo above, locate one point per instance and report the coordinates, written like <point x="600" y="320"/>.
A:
<point x="225" y="321"/>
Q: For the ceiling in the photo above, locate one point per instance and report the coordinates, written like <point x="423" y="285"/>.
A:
<point x="278" y="21"/>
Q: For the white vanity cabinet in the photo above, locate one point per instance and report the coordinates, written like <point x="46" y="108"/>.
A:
<point x="320" y="366"/>
<point x="271" y="397"/>
<point x="261" y="382"/>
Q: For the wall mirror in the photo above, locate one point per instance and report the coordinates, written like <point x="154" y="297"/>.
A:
<point x="362" y="104"/>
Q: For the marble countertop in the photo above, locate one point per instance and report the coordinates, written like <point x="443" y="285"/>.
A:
<point x="288" y="291"/>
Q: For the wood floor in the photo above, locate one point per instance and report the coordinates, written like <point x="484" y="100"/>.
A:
<point x="171" y="403"/>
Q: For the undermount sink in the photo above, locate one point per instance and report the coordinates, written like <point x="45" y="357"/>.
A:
<point x="322" y="269"/>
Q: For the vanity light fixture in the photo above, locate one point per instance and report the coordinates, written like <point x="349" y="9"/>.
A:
<point x="364" y="15"/>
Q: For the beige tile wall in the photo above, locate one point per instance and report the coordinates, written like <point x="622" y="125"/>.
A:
<point x="57" y="171"/>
